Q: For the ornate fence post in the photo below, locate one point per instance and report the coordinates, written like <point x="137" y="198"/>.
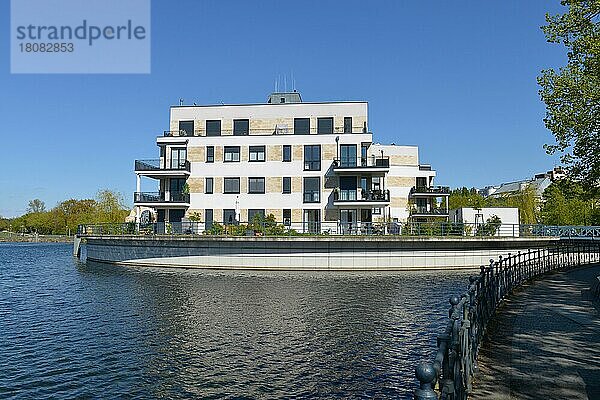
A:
<point x="426" y="375"/>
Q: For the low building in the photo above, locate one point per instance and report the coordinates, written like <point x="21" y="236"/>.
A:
<point x="314" y="166"/>
<point x="480" y="220"/>
<point x="538" y="184"/>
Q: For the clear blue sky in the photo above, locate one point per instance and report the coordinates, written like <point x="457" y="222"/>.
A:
<point x="456" y="78"/>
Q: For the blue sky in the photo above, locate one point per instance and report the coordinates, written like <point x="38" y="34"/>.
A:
<point x="456" y="78"/>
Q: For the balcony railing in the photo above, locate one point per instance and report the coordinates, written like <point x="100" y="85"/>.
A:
<point x="361" y="195"/>
<point x="441" y="190"/>
<point x="361" y="162"/>
<point x="161" y="197"/>
<point x="433" y="211"/>
<point x="162" y="165"/>
<point x="276" y="130"/>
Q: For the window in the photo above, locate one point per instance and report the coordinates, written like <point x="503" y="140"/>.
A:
<point x="229" y="217"/>
<point x="312" y="189"/>
<point x="232" y="154"/>
<point x="231" y="185"/>
<point x="241" y="127"/>
<point x="287" y="185"/>
<point x="287" y="153"/>
<point x="178" y="158"/>
<point x="377" y="211"/>
<point x="347" y="124"/>
<point x="210" y="153"/>
<point x="254" y="212"/>
<point x="208" y="219"/>
<point x="376" y="183"/>
<point x="287" y="217"/>
<point x="325" y="125"/>
<point x="421" y="182"/>
<point x="301" y="126"/>
<point x="257" y="153"/>
<point x="312" y="158"/>
<point x="256" y="185"/>
<point x="186" y="128"/>
<point x="208" y="187"/>
<point x="282" y="100"/>
<point x="363" y="154"/>
<point x="348" y="155"/>
<point x="213" y="127"/>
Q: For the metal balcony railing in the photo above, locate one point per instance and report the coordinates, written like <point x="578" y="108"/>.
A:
<point x="161" y="197"/>
<point x="162" y="165"/>
<point x="430" y="190"/>
<point x="361" y="162"/>
<point x="361" y="195"/>
<point x="428" y="211"/>
<point x="276" y="130"/>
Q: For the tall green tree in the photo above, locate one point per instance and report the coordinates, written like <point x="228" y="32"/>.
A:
<point x="572" y="94"/>
<point x="36" y="206"/>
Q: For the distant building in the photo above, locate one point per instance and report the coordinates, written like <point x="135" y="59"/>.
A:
<point x="538" y="183"/>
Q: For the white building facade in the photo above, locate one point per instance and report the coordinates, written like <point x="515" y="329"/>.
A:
<point x="312" y="165"/>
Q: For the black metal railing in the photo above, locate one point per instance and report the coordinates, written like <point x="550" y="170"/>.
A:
<point x="276" y="130"/>
<point x="361" y="195"/>
<point x="162" y="164"/>
<point x="455" y="361"/>
<point x="161" y="197"/>
<point x="430" y="190"/>
<point x="361" y="162"/>
<point x="428" y="211"/>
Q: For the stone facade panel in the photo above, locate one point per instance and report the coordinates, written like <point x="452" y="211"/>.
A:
<point x="274" y="184"/>
<point x="400" y="181"/>
<point x="196" y="185"/>
<point x="196" y="154"/>
<point x="274" y="153"/>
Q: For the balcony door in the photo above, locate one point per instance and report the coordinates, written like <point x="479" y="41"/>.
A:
<point x="348" y="221"/>
<point x="178" y="158"/>
<point x="312" y="221"/>
<point x="348" y="188"/>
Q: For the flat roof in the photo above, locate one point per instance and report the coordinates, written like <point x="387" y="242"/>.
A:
<point x="272" y="104"/>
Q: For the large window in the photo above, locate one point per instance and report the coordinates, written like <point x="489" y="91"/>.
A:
<point x="178" y="158"/>
<point x="208" y="187"/>
<point x="301" y="126"/>
<point x="210" y="153"/>
<point x="232" y="154"/>
<point x="312" y="157"/>
<point x="231" y="185"/>
<point x="256" y="185"/>
<point x="287" y="185"/>
<point x="229" y="217"/>
<point x="208" y="219"/>
<point x="241" y="127"/>
<point x="325" y="125"/>
<point x="257" y="153"/>
<point x="287" y="153"/>
<point x="347" y="124"/>
<point x="213" y="127"/>
<point x="348" y="155"/>
<point x="186" y="128"/>
<point x="254" y="212"/>
<point x="312" y="189"/>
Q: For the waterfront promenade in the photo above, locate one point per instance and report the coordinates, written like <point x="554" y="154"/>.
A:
<point x="544" y="342"/>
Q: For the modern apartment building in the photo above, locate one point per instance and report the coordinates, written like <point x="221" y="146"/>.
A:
<point x="313" y="165"/>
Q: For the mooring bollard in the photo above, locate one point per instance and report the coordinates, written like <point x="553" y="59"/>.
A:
<point x="426" y="375"/>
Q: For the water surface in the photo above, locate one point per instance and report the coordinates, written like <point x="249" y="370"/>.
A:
<point x="70" y="330"/>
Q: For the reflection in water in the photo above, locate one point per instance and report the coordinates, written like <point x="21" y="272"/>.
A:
<point x="89" y="330"/>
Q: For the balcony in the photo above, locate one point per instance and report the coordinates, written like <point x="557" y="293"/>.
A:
<point x="360" y="197"/>
<point x="353" y="165"/>
<point x="163" y="167"/>
<point x="435" y="191"/>
<point x="424" y="211"/>
<point x="155" y="198"/>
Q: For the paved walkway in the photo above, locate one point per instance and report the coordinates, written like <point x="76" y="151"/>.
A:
<point x="544" y="343"/>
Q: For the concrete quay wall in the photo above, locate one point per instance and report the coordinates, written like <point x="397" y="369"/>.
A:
<point x="345" y="253"/>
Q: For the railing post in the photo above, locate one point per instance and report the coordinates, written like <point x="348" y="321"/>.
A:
<point x="426" y="375"/>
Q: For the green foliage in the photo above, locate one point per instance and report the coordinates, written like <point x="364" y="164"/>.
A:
<point x="195" y="217"/>
<point x="490" y="227"/>
<point x="36" y="206"/>
<point x="259" y="225"/>
<point x="568" y="203"/>
<point x="464" y="197"/>
<point x="572" y="95"/>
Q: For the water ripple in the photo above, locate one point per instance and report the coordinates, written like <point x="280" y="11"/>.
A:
<point x="71" y="330"/>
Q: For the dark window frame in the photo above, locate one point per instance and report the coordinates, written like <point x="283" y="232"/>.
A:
<point x="257" y="179"/>
<point x="253" y="211"/>
<point x="312" y="195"/>
<point x="212" y="185"/>
<point x="210" y="154"/>
<point x="287" y="220"/>
<point x="323" y="125"/>
<point x="347" y="124"/>
<point x="287" y="190"/>
<point x="243" y="131"/>
<point x="229" y="212"/>
<point x="283" y="154"/>
<point x="230" y="179"/>
<point x="253" y="149"/>
<point x="228" y="150"/>
<point x="187" y="132"/>
<point x="314" y="163"/>
<point x="297" y="126"/>
<point x="212" y="131"/>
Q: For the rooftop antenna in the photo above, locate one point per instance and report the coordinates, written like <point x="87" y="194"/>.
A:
<point x="180" y="102"/>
